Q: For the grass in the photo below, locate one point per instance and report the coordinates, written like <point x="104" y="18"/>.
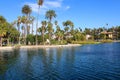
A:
<point x="62" y="42"/>
<point x="85" y="42"/>
<point x="106" y="41"/>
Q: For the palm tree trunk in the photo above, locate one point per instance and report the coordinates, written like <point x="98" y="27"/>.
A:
<point x="1" y="41"/>
<point x="43" y="37"/>
<point x="19" y="35"/>
<point x="8" y="41"/>
<point x="49" y="36"/>
<point x="24" y="36"/>
<point x="32" y="28"/>
<point x="26" y="23"/>
<point x="37" y="25"/>
<point x="19" y="40"/>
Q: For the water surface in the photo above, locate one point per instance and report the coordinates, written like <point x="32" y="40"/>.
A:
<point x="88" y="62"/>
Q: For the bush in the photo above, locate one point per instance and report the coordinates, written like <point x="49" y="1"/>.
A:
<point x="106" y="41"/>
<point x="31" y="39"/>
<point x="85" y="42"/>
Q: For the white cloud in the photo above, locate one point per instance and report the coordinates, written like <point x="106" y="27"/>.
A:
<point x="55" y="4"/>
<point x="48" y="4"/>
<point x="67" y="7"/>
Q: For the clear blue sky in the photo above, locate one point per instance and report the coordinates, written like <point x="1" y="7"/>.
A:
<point x="84" y="13"/>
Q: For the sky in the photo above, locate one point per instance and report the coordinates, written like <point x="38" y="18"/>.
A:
<point x="83" y="13"/>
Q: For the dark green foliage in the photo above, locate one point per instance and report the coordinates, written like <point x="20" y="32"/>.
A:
<point x="31" y="39"/>
<point x="26" y="9"/>
<point x="40" y="39"/>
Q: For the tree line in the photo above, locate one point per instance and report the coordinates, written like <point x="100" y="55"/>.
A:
<point x="21" y="30"/>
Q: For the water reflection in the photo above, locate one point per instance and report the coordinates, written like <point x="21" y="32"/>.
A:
<point x="7" y="59"/>
<point x="61" y="63"/>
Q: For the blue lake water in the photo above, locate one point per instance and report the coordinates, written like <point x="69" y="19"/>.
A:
<point x="88" y="62"/>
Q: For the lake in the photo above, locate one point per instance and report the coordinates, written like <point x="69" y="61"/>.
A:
<point x="87" y="62"/>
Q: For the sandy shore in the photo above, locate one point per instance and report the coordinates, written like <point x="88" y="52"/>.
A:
<point x="40" y="46"/>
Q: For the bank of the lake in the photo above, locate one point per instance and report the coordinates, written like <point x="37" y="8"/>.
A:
<point x="38" y="46"/>
<point x="74" y="43"/>
<point x="93" y="41"/>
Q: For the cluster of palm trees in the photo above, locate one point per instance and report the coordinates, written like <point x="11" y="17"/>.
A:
<point x="47" y="31"/>
<point x="25" y="25"/>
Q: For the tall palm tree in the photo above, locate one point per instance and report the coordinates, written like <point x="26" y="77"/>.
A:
<point x="26" y="9"/>
<point x="42" y="29"/>
<point x="18" y="25"/>
<point x="50" y="14"/>
<point x="69" y="28"/>
<point x="58" y="31"/>
<point x="50" y="29"/>
<point x="68" y="25"/>
<point x="40" y="3"/>
<point x="19" y="22"/>
<point x="23" y="21"/>
<point x="32" y="18"/>
<point x="44" y="23"/>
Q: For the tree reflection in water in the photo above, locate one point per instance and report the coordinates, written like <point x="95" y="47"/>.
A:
<point x="7" y="58"/>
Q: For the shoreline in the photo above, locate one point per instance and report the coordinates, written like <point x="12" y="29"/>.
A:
<point x="38" y="46"/>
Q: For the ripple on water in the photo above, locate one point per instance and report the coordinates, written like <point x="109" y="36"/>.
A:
<point x="89" y="62"/>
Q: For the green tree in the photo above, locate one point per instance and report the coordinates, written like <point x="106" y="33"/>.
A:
<point x="30" y="39"/>
<point x="19" y="22"/>
<point x="87" y="31"/>
<point x="13" y="34"/>
<point x="18" y="25"/>
<point x="68" y="25"/>
<point x="42" y="30"/>
<point x="50" y="29"/>
<point x="78" y="36"/>
<point x="26" y="9"/>
<point x="69" y="30"/>
<point x="50" y="14"/>
<point x="23" y="21"/>
<point x="3" y="28"/>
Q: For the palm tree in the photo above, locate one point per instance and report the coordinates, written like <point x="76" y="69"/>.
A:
<point x="50" y="14"/>
<point x="56" y="23"/>
<point x="44" y="23"/>
<point x="22" y="28"/>
<point x="18" y="25"/>
<point x="68" y="25"/>
<point x="87" y="31"/>
<point x="49" y="29"/>
<point x="40" y="3"/>
<point x="58" y="31"/>
<point x="19" y="22"/>
<point x="32" y="18"/>
<point x="27" y="11"/>
<point x="23" y="21"/>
